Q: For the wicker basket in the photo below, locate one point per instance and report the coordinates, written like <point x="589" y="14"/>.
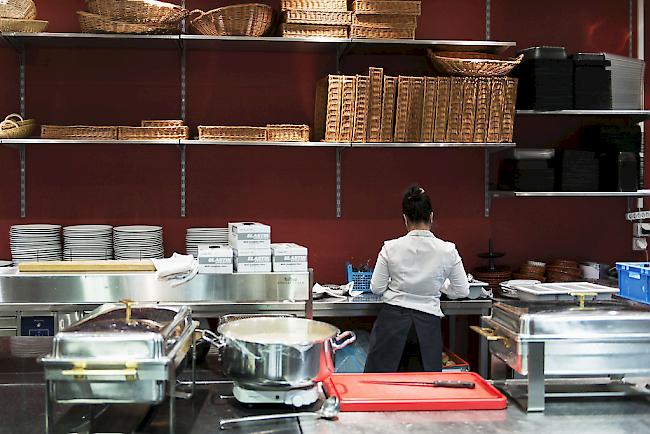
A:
<point x="348" y="100"/>
<point x="482" y="114"/>
<point x="467" y="120"/>
<point x="138" y="11"/>
<point x="376" y="33"/>
<point x="400" y="22"/>
<point x="429" y="109"/>
<point x="415" y="109"/>
<point x="327" y="113"/>
<point x="455" y="110"/>
<point x="381" y="7"/>
<point x="401" y="109"/>
<point x="153" y="133"/>
<point x="162" y="123"/>
<point x="15" y="127"/>
<point x="442" y="109"/>
<point x="23" y="26"/>
<point x="313" y="31"/>
<point x="232" y="134"/>
<point x="315" y="5"/>
<point x="388" y="109"/>
<point x="361" y="104"/>
<point x="287" y="133"/>
<point x="91" y="23"/>
<point x="495" y="118"/>
<point x="250" y="19"/>
<point x="19" y="9"/>
<point x="375" y="100"/>
<point x="318" y="17"/>
<point x="79" y="132"/>
<point x="471" y="64"/>
<point x="508" y="123"/>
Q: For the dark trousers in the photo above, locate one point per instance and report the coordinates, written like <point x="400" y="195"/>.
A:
<point x="390" y="334"/>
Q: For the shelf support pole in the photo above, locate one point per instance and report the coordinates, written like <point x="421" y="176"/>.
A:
<point x="486" y="184"/>
<point x="339" y="153"/>
<point x="181" y="148"/>
<point x="22" y="60"/>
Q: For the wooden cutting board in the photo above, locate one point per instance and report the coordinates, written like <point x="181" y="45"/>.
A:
<point x="86" y="266"/>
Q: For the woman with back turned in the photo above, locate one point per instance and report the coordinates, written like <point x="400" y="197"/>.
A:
<point x="409" y="273"/>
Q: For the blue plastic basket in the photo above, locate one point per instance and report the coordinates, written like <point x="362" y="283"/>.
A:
<point x="361" y="279"/>
<point x="633" y="280"/>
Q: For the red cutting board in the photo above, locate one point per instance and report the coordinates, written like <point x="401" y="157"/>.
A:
<point x="356" y="395"/>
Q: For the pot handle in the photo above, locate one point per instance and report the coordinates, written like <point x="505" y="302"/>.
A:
<point x="214" y="339"/>
<point x="351" y="337"/>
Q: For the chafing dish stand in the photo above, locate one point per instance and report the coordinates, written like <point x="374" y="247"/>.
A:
<point x="99" y="364"/>
<point x="562" y="350"/>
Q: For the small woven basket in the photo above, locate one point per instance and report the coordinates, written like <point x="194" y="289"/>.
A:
<point x="162" y="123"/>
<point x="318" y="17"/>
<point x="19" y="9"/>
<point x="229" y="133"/>
<point x="313" y="31"/>
<point x="91" y="23"/>
<point x="287" y="133"/>
<point x="138" y="11"/>
<point x="389" y="7"/>
<point x="23" y="26"/>
<point x="153" y="133"/>
<point x="379" y="33"/>
<point x="472" y="64"/>
<point x="15" y="127"/>
<point x="78" y="132"/>
<point x="250" y="19"/>
<point x="385" y="21"/>
<point x="315" y="5"/>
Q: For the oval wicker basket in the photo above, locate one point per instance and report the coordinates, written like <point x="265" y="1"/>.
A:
<point x="162" y="123"/>
<point x="78" y="132"/>
<point x="232" y="133"/>
<point x="15" y="127"/>
<point x="249" y="19"/>
<point x="153" y="133"/>
<point x="19" y="9"/>
<point x="472" y="64"/>
<point x="138" y="11"/>
<point x="22" y="26"/>
<point x="91" y="23"/>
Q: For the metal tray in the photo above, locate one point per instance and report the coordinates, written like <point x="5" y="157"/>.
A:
<point x="564" y="291"/>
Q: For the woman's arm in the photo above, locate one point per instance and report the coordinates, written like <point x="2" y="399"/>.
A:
<point x="459" y="286"/>
<point x="380" y="277"/>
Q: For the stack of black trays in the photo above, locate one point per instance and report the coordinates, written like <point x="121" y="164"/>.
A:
<point x="545" y="79"/>
<point x="618" y="150"/>
<point x="592" y="82"/>
<point x="527" y="172"/>
<point x="576" y="171"/>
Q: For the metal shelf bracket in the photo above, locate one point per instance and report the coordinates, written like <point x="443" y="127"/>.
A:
<point x="23" y="186"/>
<point x="339" y="153"/>
<point x="486" y="184"/>
<point x="182" y="149"/>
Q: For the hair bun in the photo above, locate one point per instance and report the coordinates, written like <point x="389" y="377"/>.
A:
<point x="415" y="192"/>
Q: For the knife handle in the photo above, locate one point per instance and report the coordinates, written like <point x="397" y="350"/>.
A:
<point x="455" y="384"/>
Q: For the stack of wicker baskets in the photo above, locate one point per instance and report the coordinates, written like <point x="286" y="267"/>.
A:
<point x="315" y="18"/>
<point x="131" y="16"/>
<point x="385" y="19"/>
<point x="20" y="16"/>
<point x="148" y="130"/>
<point x="379" y="108"/>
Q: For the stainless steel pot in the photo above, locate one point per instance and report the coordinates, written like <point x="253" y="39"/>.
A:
<point x="278" y="353"/>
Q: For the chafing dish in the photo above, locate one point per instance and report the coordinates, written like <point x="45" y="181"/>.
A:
<point x="563" y="339"/>
<point x="119" y="354"/>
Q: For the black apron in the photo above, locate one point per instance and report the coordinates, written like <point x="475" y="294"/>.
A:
<point x="390" y="333"/>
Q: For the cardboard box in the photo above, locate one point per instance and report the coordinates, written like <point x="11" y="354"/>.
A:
<point x="215" y="259"/>
<point x="249" y="235"/>
<point x="252" y="260"/>
<point x="288" y="257"/>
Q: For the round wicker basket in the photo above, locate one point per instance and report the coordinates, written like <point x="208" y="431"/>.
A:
<point x="138" y="11"/>
<point x="471" y="64"/>
<point x="18" y="9"/>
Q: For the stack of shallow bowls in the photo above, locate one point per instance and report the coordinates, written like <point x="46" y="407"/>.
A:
<point x="138" y="242"/>
<point x="196" y="236"/>
<point x="531" y="270"/>
<point x="562" y="270"/>
<point x="35" y="242"/>
<point x="87" y="242"/>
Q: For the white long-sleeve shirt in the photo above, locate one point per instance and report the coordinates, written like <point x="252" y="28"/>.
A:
<point x="411" y="270"/>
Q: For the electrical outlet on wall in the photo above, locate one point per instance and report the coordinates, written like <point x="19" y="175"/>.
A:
<point x="639" y="244"/>
<point x="641" y="229"/>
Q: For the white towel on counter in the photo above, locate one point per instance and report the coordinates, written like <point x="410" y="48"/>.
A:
<point x="337" y="291"/>
<point x="177" y="269"/>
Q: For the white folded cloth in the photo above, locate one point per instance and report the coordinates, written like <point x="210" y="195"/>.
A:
<point x="178" y="268"/>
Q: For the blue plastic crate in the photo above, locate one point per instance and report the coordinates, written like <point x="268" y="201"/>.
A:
<point x="633" y="280"/>
<point x="361" y="279"/>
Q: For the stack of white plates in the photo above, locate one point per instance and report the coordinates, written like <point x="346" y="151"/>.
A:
<point x="87" y="242"/>
<point x="138" y="242"/>
<point x="35" y="243"/>
<point x="196" y="236"/>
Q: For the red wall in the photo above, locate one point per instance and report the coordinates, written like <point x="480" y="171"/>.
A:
<point x="293" y="189"/>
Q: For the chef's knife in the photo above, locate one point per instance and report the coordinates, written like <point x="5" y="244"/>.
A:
<point x="450" y="384"/>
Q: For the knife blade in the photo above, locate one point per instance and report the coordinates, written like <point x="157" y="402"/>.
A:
<point x="447" y="383"/>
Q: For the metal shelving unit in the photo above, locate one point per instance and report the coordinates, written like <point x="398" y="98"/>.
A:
<point x="22" y="42"/>
<point x="632" y="115"/>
